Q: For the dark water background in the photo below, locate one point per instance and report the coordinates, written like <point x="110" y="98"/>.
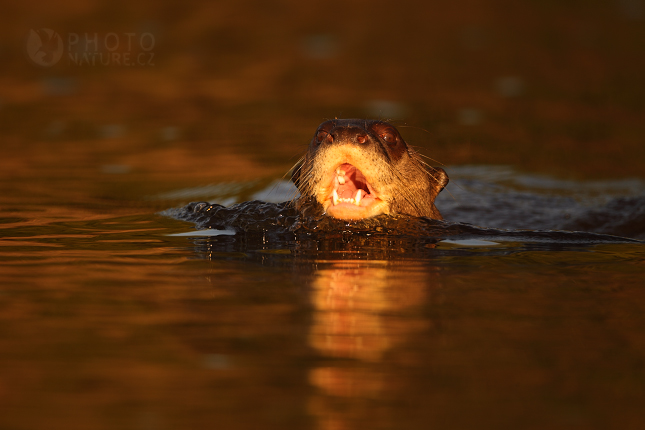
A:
<point x="115" y="316"/>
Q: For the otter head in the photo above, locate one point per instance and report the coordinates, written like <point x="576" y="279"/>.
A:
<point x="358" y="168"/>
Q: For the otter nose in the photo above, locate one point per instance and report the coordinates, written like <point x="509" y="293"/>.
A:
<point x="354" y="135"/>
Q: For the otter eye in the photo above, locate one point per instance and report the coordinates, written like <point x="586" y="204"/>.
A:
<point x="389" y="138"/>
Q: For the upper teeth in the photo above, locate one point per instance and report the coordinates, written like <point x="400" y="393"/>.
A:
<point x="340" y="175"/>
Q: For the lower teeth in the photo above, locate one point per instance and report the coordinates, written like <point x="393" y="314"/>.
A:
<point x="356" y="201"/>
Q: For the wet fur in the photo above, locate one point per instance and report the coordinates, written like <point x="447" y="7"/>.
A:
<point x="394" y="169"/>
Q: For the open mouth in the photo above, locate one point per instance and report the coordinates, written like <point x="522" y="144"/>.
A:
<point x="352" y="197"/>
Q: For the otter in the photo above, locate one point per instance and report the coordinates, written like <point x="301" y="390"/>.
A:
<point x="357" y="169"/>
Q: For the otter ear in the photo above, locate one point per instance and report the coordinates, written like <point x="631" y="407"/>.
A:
<point x="439" y="177"/>
<point x="295" y="173"/>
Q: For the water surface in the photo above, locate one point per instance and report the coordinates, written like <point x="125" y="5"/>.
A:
<point x="115" y="316"/>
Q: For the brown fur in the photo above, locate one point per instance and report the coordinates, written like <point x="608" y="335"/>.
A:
<point x="404" y="183"/>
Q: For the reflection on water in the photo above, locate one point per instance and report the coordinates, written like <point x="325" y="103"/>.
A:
<point x="350" y="303"/>
<point x="361" y="312"/>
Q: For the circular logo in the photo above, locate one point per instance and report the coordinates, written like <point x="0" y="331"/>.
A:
<point x="44" y="47"/>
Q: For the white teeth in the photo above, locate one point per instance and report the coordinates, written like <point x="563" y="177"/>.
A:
<point x="355" y="201"/>
<point x="341" y="176"/>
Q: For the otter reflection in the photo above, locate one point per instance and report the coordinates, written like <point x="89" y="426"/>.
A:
<point x="364" y="312"/>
